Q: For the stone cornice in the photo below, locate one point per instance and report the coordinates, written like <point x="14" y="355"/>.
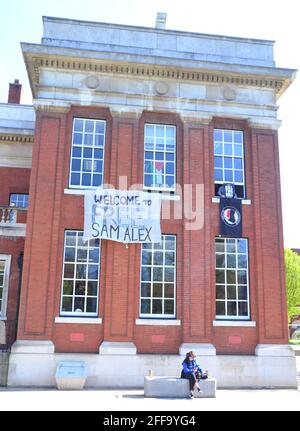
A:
<point x="35" y="61"/>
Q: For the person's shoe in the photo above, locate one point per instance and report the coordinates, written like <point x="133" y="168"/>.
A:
<point x="199" y="391"/>
<point x="191" y="395"/>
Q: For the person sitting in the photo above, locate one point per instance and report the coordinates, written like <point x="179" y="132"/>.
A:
<point x="191" y="371"/>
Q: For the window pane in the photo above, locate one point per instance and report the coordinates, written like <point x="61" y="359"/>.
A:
<point x="69" y="271"/>
<point x="218" y="175"/>
<point x="145" y="289"/>
<point x="243" y="308"/>
<point x="157" y="290"/>
<point x="69" y="254"/>
<point x="231" y="277"/>
<point x="169" y="290"/>
<point x="68" y="287"/>
<point x="99" y="141"/>
<point x="230" y="246"/>
<point x="78" y="304"/>
<point x="169" y="274"/>
<point x="146" y="274"/>
<point x="220" y="292"/>
<point x="80" y="287"/>
<point x="242" y="292"/>
<point x="242" y="277"/>
<point x="220" y="246"/>
<point x="242" y="261"/>
<point x="157" y="258"/>
<point x="242" y="246"/>
<point x="228" y="162"/>
<point x="92" y="287"/>
<point x="169" y="307"/>
<point x="220" y="308"/>
<point x="80" y="271"/>
<point x="220" y="276"/>
<point x="231" y="308"/>
<point x="78" y="125"/>
<point x="81" y="255"/>
<point x="146" y="257"/>
<point x="66" y="303"/>
<point x="169" y="258"/>
<point x="220" y="261"/>
<point x="231" y="261"/>
<point x="157" y="274"/>
<point x="157" y="306"/>
<point x="231" y="292"/>
<point x="145" y="306"/>
<point x="91" y="305"/>
<point x="218" y="135"/>
<point x="218" y="162"/>
<point x="93" y="272"/>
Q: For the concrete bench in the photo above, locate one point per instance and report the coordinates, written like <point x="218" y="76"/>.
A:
<point x="175" y="387"/>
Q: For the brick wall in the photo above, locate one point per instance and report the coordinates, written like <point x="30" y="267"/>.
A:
<point x="13" y="180"/>
<point x="53" y="211"/>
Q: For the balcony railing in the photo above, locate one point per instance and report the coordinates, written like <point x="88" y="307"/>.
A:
<point x="12" y="216"/>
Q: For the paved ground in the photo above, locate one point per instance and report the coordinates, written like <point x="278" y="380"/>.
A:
<point x="133" y="400"/>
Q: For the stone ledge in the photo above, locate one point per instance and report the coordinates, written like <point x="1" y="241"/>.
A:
<point x="201" y="349"/>
<point x="274" y="350"/>
<point x="33" y="347"/>
<point x="117" y="348"/>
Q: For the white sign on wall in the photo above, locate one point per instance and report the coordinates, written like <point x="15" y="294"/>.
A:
<point x="122" y="215"/>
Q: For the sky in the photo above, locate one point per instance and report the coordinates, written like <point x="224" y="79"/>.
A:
<point x="21" y="20"/>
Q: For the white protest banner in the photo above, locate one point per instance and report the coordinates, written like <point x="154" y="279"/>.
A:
<point x="122" y="215"/>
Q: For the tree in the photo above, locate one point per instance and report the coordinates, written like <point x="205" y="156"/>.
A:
<point x="292" y="271"/>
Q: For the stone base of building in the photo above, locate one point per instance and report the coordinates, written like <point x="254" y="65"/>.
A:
<point x="34" y="363"/>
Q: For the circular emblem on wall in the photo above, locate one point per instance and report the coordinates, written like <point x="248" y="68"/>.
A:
<point x="161" y="88"/>
<point x="229" y="93"/>
<point x="92" y="82"/>
<point x="231" y="216"/>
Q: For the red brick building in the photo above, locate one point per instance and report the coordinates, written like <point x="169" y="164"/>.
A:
<point x="174" y="112"/>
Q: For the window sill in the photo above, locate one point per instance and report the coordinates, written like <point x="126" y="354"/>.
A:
<point x="216" y="200"/>
<point x="80" y="192"/>
<point x="79" y="320"/>
<point x="241" y="323"/>
<point x="158" y="322"/>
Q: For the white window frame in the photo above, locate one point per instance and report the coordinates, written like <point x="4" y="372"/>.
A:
<point x="151" y="315"/>
<point x="3" y="307"/>
<point x="226" y="316"/>
<point x="74" y="313"/>
<point x="93" y="160"/>
<point x="165" y="151"/>
<point x="232" y="157"/>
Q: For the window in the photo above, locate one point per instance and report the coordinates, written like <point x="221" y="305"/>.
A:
<point x="18" y="200"/>
<point x="232" y="284"/>
<point x="80" y="279"/>
<point x="87" y="157"/>
<point x="159" y="157"/>
<point x="229" y="159"/>
<point x="158" y="278"/>
<point x="4" y="279"/>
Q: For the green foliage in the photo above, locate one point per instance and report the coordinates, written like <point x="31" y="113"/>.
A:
<point x="292" y="271"/>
